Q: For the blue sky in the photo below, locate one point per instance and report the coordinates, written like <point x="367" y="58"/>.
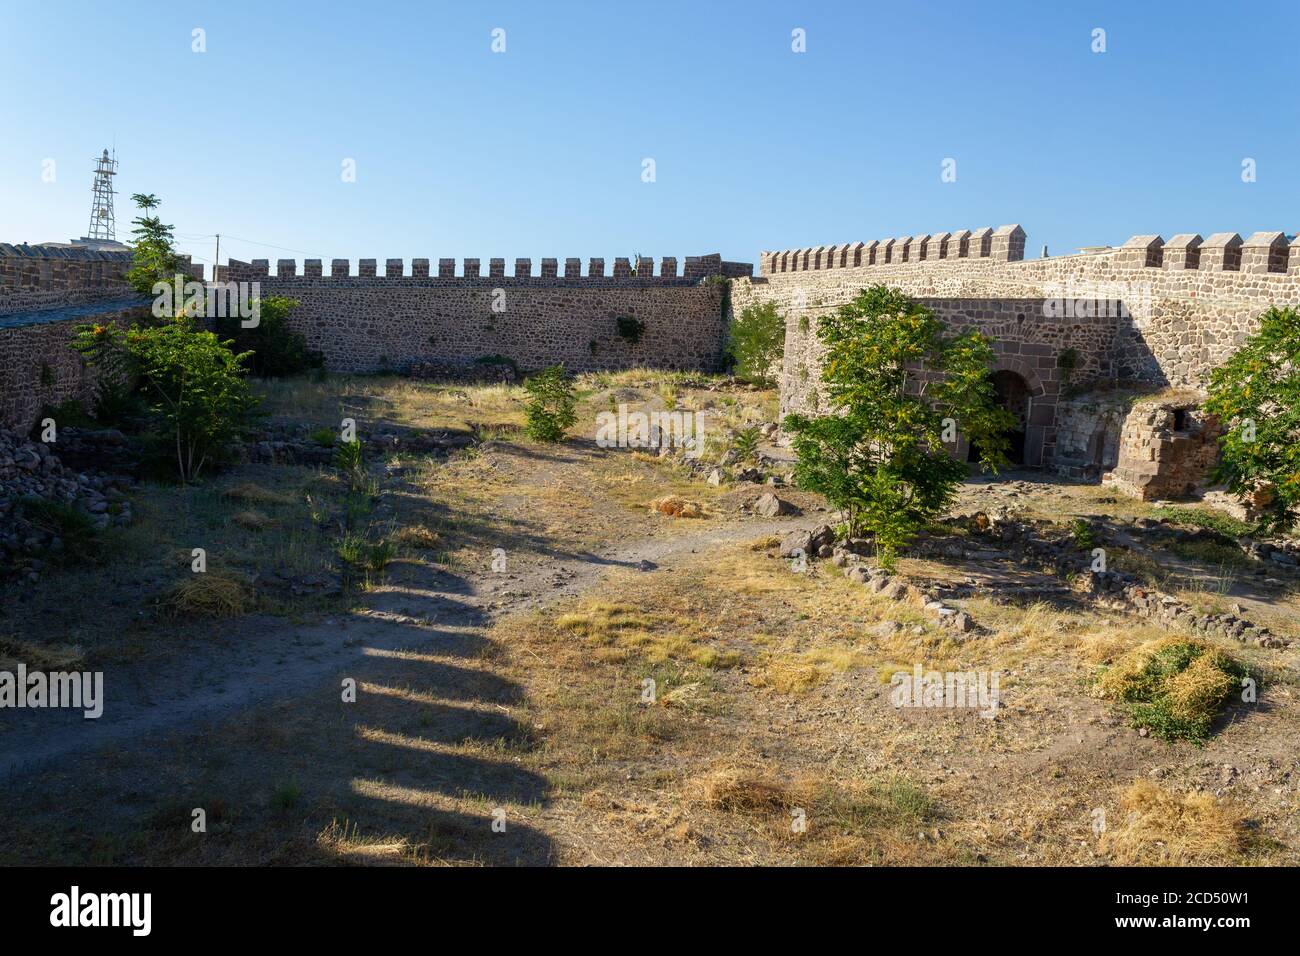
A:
<point x="538" y="151"/>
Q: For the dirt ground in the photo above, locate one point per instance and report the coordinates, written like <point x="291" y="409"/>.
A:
<point x="560" y="675"/>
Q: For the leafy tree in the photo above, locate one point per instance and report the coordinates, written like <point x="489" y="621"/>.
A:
<point x="155" y="259"/>
<point x="196" y="386"/>
<point x="756" y="342"/>
<point x="1255" y="395"/>
<point x="103" y="347"/>
<point x="892" y="378"/>
<point x="276" y="349"/>
<point x="551" y="404"/>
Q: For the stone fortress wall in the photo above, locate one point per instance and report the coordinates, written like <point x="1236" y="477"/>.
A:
<point x="45" y="293"/>
<point x="1148" y="313"/>
<point x="369" y="322"/>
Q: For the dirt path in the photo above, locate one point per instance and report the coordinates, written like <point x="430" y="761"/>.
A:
<point x="261" y="661"/>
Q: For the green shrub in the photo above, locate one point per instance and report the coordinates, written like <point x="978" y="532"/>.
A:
<point x="104" y="349"/>
<point x="1172" y="686"/>
<point x="324" y="437"/>
<point x="879" y="455"/>
<point x="551" y="404"/>
<point x="196" y="387"/>
<point x="629" y="329"/>
<point x="756" y="342"/>
<point x="71" y="525"/>
<point x="275" y="349"/>
<point x="745" y="443"/>
<point x="348" y="460"/>
<point x="1206" y="519"/>
<point x="1256" y="396"/>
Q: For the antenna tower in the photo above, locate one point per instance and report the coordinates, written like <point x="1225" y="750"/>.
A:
<point x="103" y="224"/>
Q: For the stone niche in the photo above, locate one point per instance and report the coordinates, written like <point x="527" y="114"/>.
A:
<point x="1088" y="429"/>
<point x="1167" y="448"/>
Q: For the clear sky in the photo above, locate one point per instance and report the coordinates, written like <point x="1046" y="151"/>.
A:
<point x="538" y="151"/>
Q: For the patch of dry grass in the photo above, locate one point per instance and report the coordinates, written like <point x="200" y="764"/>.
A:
<point x="675" y="506"/>
<point x="1172" y="684"/>
<point x="44" y="657"/>
<point x="1160" y="828"/>
<point x="211" y="594"/>
<point x="252" y="520"/>
<point x="251" y="493"/>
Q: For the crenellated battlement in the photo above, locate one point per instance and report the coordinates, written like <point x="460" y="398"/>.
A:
<point x="1004" y="244"/>
<point x="548" y="270"/>
<point x="1262" y="253"/>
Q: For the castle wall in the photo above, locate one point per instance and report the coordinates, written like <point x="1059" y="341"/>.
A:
<point x="368" y="322"/>
<point x="45" y="293"/>
<point x="1146" y="312"/>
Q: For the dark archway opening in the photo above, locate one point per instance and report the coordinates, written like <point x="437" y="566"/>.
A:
<point x="1013" y="395"/>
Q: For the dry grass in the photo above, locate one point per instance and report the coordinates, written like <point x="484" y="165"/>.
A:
<point x="249" y="493"/>
<point x="211" y="594"/>
<point x="418" y="536"/>
<point x="44" y="657"/>
<point x="675" y="506"/>
<point x="1161" y="828"/>
<point x="252" y="520"/>
<point x="1172" y="684"/>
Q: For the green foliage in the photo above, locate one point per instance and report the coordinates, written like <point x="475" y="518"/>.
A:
<point x="1224" y="524"/>
<point x="324" y="437"/>
<point x="551" y="404"/>
<point x="745" y="443"/>
<point x="68" y="413"/>
<point x="1178" y="691"/>
<point x="196" y="387"/>
<point x="276" y="350"/>
<point x="71" y="525"/>
<point x="1082" y="534"/>
<point x="629" y="329"/>
<point x="154" y="260"/>
<point x="755" y="342"/>
<point x="348" y="460"/>
<point x="879" y="455"/>
<point x="104" y="348"/>
<point x="1256" y="396"/>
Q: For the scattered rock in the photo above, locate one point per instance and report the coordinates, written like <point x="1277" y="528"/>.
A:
<point x="769" y="505"/>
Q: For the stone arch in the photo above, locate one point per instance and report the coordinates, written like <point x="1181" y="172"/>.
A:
<point x="1041" y="416"/>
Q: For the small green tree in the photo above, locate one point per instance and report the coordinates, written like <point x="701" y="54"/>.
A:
<point x="196" y="385"/>
<point x="276" y="349"/>
<point x="756" y="342"/>
<point x="1255" y="395"/>
<point x="103" y="347"/>
<point x="154" y="257"/>
<point x="551" y="404"/>
<point x="897" y="386"/>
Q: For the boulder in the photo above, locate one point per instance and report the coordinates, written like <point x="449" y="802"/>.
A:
<point x="769" y="505"/>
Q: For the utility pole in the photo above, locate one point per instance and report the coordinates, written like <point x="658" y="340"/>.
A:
<point x="216" y="261"/>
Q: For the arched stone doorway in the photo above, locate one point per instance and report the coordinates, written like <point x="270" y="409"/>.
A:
<point x="1016" y="395"/>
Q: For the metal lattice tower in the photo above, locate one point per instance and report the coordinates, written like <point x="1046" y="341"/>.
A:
<point x="103" y="224"/>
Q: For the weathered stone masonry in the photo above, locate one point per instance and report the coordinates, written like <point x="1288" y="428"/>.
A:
<point x="1147" y="312"/>
<point x="368" y="322"/>
<point x="45" y="293"/>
